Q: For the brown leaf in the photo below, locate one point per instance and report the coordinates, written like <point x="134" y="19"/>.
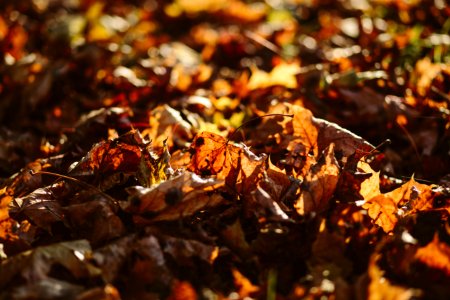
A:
<point x="95" y="220"/>
<point x="178" y="197"/>
<point x="41" y="207"/>
<point x="303" y="148"/>
<point x="264" y="206"/>
<point x="34" y="268"/>
<point x="305" y="137"/>
<point x="346" y="142"/>
<point x="319" y="184"/>
<point x="19" y="185"/>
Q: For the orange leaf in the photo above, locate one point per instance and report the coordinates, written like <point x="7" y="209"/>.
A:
<point x="212" y="155"/>
<point x="319" y="184"/>
<point x="182" y="290"/>
<point x="244" y="286"/>
<point x="383" y="211"/>
<point x="384" y="208"/>
<point x="381" y="288"/>
<point x="435" y="255"/>
<point x="371" y="186"/>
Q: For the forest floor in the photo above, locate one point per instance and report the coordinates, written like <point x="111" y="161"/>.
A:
<point x="224" y="149"/>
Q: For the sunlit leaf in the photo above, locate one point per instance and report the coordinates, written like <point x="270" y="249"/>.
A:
<point x="319" y="184"/>
<point x="213" y="155"/>
<point x="179" y="197"/>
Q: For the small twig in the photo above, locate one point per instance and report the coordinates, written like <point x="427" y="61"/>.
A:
<point x="366" y="154"/>
<point x="417" y="179"/>
<point x="411" y="141"/>
<point x="262" y="41"/>
<point x="437" y="91"/>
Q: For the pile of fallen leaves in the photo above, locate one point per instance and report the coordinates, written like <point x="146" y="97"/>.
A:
<point x="224" y="149"/>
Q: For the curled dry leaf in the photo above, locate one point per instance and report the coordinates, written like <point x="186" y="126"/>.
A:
<point x="265" y="206"/>
<point x="303" y="148"/>
<point x="319" y="184"/>
<point x="167" y="123"/>
<point x="108" y="156"/>
<point x="305" y="137"/>
<point x="18" y="185"/>
<point x="346" y="142"/>
<point x="41" y="207"/>
<point x="178" y="197"/>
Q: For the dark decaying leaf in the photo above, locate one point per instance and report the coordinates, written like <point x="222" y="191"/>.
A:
<point x="95" y="220"/>
<point x="40" y="207"/>
<point x="35" y="270"/>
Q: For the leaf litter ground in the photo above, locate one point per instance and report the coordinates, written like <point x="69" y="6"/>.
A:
<point x="224" y="150"/>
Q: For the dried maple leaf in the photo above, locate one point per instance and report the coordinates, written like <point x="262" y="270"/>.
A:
<point x="305" y="137"/>
<point x="213" y="155"/>
<point x="319" y="184"/>
<point x="152" y="168"/>
<point x="109" y="156"/>
<point x="370" y="187"/>
<point x="303" y="148"/>
<point x="385" y="209"/>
